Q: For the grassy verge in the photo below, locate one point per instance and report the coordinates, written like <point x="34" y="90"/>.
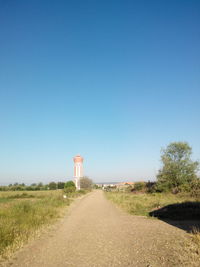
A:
<point x="142" y="204"/>
<point x="24" y="213"/>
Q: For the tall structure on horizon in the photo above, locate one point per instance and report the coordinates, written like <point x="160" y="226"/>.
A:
<point x="78" y="170"/>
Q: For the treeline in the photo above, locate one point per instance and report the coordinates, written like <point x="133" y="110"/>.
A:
<point x="33" y="187"/>
<point x="85" y="183"/>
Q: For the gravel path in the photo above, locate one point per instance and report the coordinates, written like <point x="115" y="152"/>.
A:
<point x="96" y="233"/>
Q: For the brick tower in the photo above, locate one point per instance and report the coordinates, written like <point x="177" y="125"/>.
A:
<point x="78" y="170"/>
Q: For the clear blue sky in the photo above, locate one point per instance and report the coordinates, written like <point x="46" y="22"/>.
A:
<point x="112" y="80"/>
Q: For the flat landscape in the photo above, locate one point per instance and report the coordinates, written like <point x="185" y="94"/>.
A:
<point x="99" y="138"/>
<point x="24" y="213"/>
<point x="95" y="232"/>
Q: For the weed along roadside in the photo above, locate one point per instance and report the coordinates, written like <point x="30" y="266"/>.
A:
<point x="24" y="214"/>
<point x="144" y="203"/>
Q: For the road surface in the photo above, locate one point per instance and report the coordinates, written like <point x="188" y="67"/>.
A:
<point x="95" y="232"/>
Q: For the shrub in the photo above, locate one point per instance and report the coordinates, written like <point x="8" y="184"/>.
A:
<point x="162" y="187"/>
<point x="184" y="188"/>
<point x="69" y="187"/>
<point x="52" y="186"/>
<point x="86" y="183"/>
<point x="61" y="185"/>
<point x="140" y="186"/>
<point x="151" y="187"/>
<point x="195" y="188"/>
<point x="127" y="189"/>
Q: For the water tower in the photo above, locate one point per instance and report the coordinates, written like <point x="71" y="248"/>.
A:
<point x="78" y="170"/>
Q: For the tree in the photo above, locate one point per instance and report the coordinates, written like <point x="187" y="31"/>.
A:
<point x="69" y="187"/>
<point x="86" y="183"/>
<point x="178" y="169"/>
<point x="52" y="186"/>
<point x="61" y="185"/>
<point x="40" y="184"/>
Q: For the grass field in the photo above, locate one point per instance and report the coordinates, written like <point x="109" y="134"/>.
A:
<point x="142" y="204"/>
<point x="22" y="214"/>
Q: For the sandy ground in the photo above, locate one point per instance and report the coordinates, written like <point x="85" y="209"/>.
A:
<point x="96" y="233"/>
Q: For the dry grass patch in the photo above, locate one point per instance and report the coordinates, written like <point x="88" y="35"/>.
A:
<point x="142" y="204"/>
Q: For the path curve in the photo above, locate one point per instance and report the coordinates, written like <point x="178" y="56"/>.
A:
<point x="97" y="233"/>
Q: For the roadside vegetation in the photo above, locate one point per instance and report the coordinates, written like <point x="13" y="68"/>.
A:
<point x="174" y="196"/>
<point x="141" y="203"/>
<point x="23" y="213"/>
<point x="177" y="182"/>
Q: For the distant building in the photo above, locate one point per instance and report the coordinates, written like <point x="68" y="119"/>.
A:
<point x="104" y="186"/>
<point x="120" y="186"/>
<point x="78" y="170"/>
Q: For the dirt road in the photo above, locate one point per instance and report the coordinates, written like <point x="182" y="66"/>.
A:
<point x="96" y="233"/>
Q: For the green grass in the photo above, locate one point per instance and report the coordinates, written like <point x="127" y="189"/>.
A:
<point x="24" y="213"/>
<point x="142" y="204"/>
